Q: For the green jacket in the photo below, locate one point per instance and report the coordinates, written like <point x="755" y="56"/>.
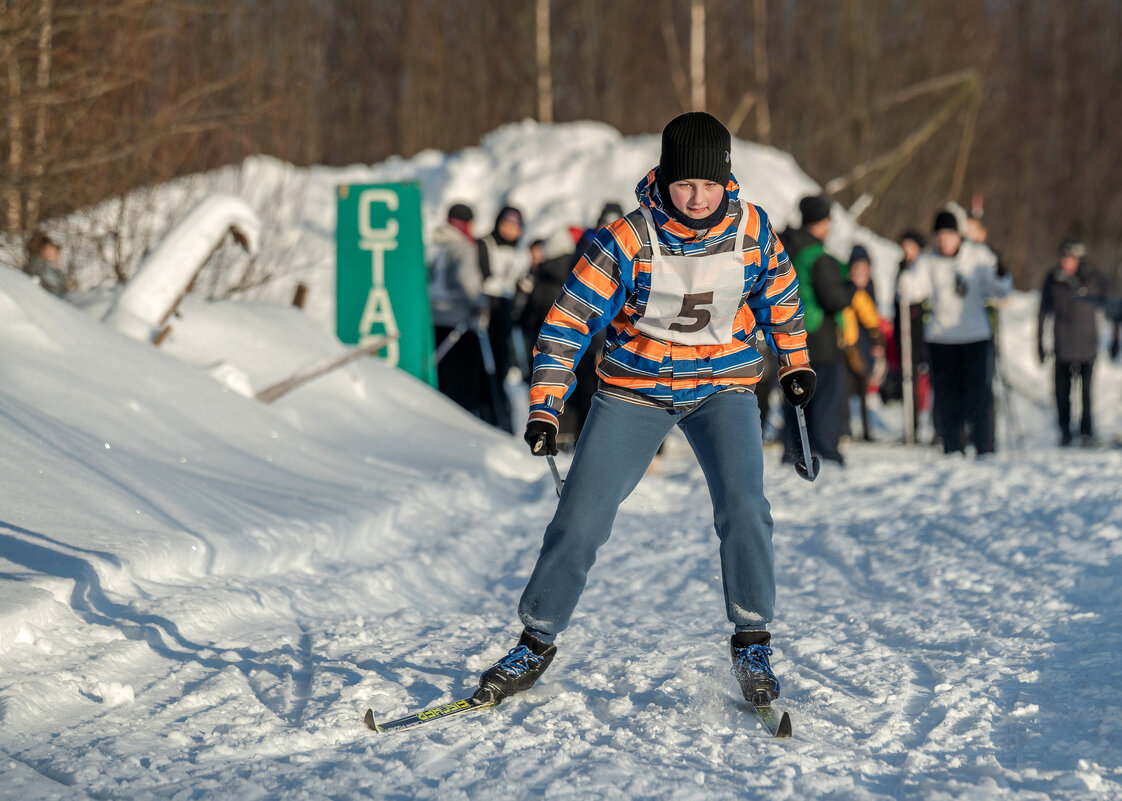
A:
<point x="813" y="314"/>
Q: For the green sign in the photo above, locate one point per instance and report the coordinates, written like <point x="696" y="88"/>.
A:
<point x="381" y="282"/>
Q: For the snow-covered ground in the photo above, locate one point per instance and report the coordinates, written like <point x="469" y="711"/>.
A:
<point x="200" y="594"/>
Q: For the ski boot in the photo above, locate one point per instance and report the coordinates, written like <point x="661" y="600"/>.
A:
<point x="750" y="653"/>
<point x="517" y="671"/>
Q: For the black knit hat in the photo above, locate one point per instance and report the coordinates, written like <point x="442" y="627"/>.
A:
<point x="946" y="221"/>
<point x="915" y="236"/>
<point x="814" y="208"/>
<point x="859" y="253"/>
<point x="460" y="212"/>
<point x="695" y="145"/>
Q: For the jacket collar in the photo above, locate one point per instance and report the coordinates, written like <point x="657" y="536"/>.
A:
<point x="648" y="195"/>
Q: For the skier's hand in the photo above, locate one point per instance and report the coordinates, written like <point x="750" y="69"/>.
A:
<point x="541" y="437"/>
<point x="797" y="384"/>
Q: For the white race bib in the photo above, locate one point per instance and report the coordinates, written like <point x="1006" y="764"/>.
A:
<point x="693" y="299"/>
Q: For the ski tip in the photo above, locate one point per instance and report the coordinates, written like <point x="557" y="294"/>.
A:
<point x="784" y="729"/>
<point x="369" y="721"/>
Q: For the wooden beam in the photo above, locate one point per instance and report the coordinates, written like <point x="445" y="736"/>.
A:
<point x="320" y="368"/>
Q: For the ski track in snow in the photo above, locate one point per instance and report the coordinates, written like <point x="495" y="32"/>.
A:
<point x="941" y="626"/>
<point x="200" y="595"/>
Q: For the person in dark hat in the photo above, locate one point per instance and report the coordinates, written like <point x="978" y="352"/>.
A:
<point x="504" y="264"/>
<point x="681" y="285"/>
<point x="459" y="312"/>
<point x="861" y="337"/>
<point x="957" y="277"/>
<point x="825" y="294"/>
<point x="1068" y="300"/>
<point x="907" y="340"/>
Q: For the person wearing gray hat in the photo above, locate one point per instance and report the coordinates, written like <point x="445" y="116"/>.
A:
<point x="1068" y="300"/>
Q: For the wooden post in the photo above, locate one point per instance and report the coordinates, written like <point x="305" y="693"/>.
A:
<point x="321" y="367"/>
<point x="301" y="296"/>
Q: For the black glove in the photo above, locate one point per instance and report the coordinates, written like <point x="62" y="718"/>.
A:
<point x="541" y="437"/>
<point x="1040" y="354"/>
<point x="798" y="385"/>
<point x="1002" y="269"/>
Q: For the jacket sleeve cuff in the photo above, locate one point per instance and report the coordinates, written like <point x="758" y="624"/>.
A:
<point x="794" y="368"/>
<point x="792" y="359"/>
<point x="543" y="414"/>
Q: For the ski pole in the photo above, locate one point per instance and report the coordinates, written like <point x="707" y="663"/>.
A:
<point x="539" y="445"/>
<point x="560" y="482"/>
<point x="489" y="367"/>
<point x="906" y="372"/>
<point x="1014" y="432"/>
<point x="449" y="341"/>
<point x="809" y="466"/>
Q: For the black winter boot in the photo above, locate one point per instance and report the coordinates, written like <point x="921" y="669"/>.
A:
<point x="750" y="653"/>
<point x="517" y="671"/>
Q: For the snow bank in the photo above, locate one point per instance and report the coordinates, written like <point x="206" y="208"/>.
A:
<point x="166" y="274"/>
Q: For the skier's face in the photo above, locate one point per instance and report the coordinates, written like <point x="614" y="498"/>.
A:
<point x="696" y="198"/>
<point x="1069" y="264"/>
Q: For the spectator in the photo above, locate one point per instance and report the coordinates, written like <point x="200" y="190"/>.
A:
<point x="459" y="312"/>
<point x="825" y="293"/>
<point x="976" y="231"/>
<point x="45" y="264"/>
<point x="1069" y="296"/>
<point x="957" y="277"/>
<point x="608" y="215"/>
<point x="861" y="335"/>
<point x="909" y="339"/>
<point x="504" y="265"/>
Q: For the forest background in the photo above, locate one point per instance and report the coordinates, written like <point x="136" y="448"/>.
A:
<point x="895" y="106"/>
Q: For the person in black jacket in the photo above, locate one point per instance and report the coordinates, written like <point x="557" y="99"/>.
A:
<point x="825" y="292"/>
<point x="1069" y="296"/>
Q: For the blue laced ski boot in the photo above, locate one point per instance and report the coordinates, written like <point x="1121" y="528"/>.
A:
<point x="750" y="654"/>
<point x="517" y="671"/>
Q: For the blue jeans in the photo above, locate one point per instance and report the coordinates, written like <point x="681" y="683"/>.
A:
<point x="616" y="446"/>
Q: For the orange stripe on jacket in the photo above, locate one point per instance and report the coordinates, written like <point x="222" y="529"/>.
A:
<point x="780" y="283"/>
<point x="595" y="280"/>
<point x="628" y="242"/>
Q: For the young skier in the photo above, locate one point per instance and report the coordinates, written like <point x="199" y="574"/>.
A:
<point x="683" y="284"/>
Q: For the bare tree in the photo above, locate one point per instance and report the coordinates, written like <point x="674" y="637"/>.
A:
<point x="545" y="66"/>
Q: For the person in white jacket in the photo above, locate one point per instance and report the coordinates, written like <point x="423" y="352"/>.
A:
<point x="956" y="277"/>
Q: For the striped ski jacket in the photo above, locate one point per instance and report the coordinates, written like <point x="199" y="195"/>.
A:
<point x="610" y="285"/>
